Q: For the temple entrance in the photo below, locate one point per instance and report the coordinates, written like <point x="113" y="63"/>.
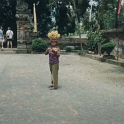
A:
<point x="21" y="24"/>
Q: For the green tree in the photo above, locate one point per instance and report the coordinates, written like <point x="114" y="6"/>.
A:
<point x="79" y="7"/>
<point x="65" y="22"/>
<point x="43" y="15"/>
<point x="93" y="39"/>
<point x="106" y="15"/>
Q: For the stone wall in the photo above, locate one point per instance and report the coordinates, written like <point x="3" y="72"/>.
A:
<point x="68" y="42"/>
<point x="117" y="36"/>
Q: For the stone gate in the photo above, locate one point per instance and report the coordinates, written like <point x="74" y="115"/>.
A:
<point x="24" y="24"/>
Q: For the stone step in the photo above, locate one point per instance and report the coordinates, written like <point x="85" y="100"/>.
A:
<point x="21" y="51"/>
<point x="9" y="49"/>
<point x="7" y="52"/>
<point x="12" y="51"/>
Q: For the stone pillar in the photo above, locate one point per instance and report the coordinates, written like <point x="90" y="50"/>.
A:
<point x="24" y="24"/>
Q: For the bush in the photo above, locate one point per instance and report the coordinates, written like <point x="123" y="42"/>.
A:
<point x="93" y="39"/>
<point x="68" y="49"/>
<point x="39" y="45"/>
<point x="107" y="47"/>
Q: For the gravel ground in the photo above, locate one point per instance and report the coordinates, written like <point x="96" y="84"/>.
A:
<point x="90" y="92"/>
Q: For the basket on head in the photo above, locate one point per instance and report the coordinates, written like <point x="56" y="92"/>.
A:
<point x="53" y="36"/>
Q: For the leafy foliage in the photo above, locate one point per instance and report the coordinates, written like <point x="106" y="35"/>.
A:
<point x="61" y="17"/>
<point x="67" y="12"/>
<point x="93" y="39"/>
<point x="96" y="37"/>
<point x="68" y="49"/>
<point x="43" y="15"/>
<point x="107" y="13"/>
<point x="39" y="45"/>
<point x="7" y="12"/>
<point x="107" y="47"/>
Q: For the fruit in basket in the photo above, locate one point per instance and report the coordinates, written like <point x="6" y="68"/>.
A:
<point x="53" y="35"/>
<point x="54" y="49"/>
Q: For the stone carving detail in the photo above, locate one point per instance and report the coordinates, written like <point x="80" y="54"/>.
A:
<point x="29" y="18"/>
<point x="21" y="5"/>
<point x="20" y="33"/>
